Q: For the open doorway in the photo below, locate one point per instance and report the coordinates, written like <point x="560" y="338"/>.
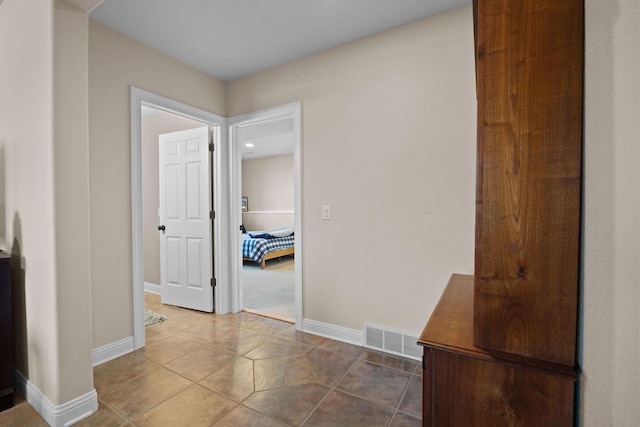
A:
<point x="220" y="225"/>
<point x="268" y="218"/>
<point x="266" y="204"/>
<point x="158" y="125"/>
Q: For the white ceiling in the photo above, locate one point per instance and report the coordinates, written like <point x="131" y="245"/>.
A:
<point x="273" y="138"/>
<point x="265" y="139"/>
<point x="230" y="39"/>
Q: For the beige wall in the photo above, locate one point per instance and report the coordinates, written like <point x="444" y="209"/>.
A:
<point x="389" y="142"/>
<point x="268" y="183"/>
<point x="44" y="206"/>
<point x="611" y="241"/>
<point x="152" y="127"/>
<point x="71" y="199"/>
<point x="115" y="63"/>
<point x="26" y="33"/>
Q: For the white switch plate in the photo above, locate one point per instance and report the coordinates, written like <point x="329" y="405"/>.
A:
<point x="326" y="212"/>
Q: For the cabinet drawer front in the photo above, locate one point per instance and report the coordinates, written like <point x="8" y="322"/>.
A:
<point x="466" y="391"/>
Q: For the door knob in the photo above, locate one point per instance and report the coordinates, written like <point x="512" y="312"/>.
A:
<point x="161" y="227"/>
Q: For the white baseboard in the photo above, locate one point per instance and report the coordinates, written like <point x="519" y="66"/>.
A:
<point x="153" y="288"/>
<point x="57" y="415"/>
<point x="338" y="333"/>
<point x="112" y="351"/>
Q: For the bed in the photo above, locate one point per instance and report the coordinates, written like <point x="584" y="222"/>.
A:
<point x="261" y="246"/>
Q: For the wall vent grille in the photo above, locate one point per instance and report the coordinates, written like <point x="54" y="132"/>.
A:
<point x="392" y="341"/>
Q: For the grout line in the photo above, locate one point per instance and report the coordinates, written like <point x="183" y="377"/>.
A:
<point x="224" y="416"/>
<point x="386" y="366"/>
<point x="356" y="360"/>
<point x="404" y="393"/>
<point x="253" y="369"/>
<point x="329" y="392"/>
<point x="176" y="358"/>
<point x="120" y="385"/>
<point x="257" y="326"/>
<point x="117" y="412"/>
<point x="259" y="413"/>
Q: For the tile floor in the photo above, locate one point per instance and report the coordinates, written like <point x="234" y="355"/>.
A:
<point x="246" y="370"/>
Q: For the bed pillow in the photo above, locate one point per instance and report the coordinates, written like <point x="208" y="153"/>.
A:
<point x="280" y="232"/>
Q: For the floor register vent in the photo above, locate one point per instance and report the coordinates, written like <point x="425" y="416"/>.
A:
<point x="394" y="342"/>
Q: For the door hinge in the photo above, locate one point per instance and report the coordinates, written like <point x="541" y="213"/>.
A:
<point x="212" y="214"/>
<point x="213" y="282"/>
<point x="211" y="146"/>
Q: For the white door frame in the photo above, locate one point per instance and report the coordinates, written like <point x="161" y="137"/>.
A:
<point x="221" y="232"/>
<point x="292" y="111"/>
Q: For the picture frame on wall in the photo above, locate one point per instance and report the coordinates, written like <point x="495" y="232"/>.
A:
<point x="245" y="204"/>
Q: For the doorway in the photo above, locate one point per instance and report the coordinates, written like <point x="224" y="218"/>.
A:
<point x="140" y="98"/>
<point x="267" y="209"/>
<point x="266" y="202"/>
<point x="168" y="245"/>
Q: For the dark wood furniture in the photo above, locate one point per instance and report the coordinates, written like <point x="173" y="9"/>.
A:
<point x="465" y="385"/>
<point x="500" y="346"/>
<point x="6" y="359"/>
<point x="529" y="88"/>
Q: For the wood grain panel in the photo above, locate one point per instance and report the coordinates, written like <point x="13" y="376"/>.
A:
<point x="451" y="323"/>
<point x="472" y="392"/>
<point x="427" y="387"/>
<point x="450" y="328"/>
<point x="529" y="69"/>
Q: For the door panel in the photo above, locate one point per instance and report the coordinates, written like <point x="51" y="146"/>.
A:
<point x="173" y="260"/>
<point x="185" y="202"/>
<point x="171" y="191"/>
<point x="193" y="192"/>
<point x="194" y="276"/>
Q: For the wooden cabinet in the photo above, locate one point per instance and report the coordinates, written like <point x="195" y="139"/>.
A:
<point x="500" y="346"/>
<point x="6" y="372"/>
<point x="465" y="385"/>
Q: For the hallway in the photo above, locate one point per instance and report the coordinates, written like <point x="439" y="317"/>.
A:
<point x="246" y="370"/>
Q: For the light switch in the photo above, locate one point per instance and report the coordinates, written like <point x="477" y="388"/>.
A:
<point x="326" y="212"/>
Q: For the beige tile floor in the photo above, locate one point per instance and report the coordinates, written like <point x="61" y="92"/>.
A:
<point x="246" y="370"/>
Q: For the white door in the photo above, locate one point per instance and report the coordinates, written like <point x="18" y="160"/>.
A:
<point x="186" y="259"/>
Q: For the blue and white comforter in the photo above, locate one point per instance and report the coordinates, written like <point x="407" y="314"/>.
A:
<point x="257" y="248"/>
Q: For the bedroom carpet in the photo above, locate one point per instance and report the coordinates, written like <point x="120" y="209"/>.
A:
<point x="270" y="291"/>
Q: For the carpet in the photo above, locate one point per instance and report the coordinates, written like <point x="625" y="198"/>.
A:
<point x="151" y="318"/>
<point x="270" y="291"/>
